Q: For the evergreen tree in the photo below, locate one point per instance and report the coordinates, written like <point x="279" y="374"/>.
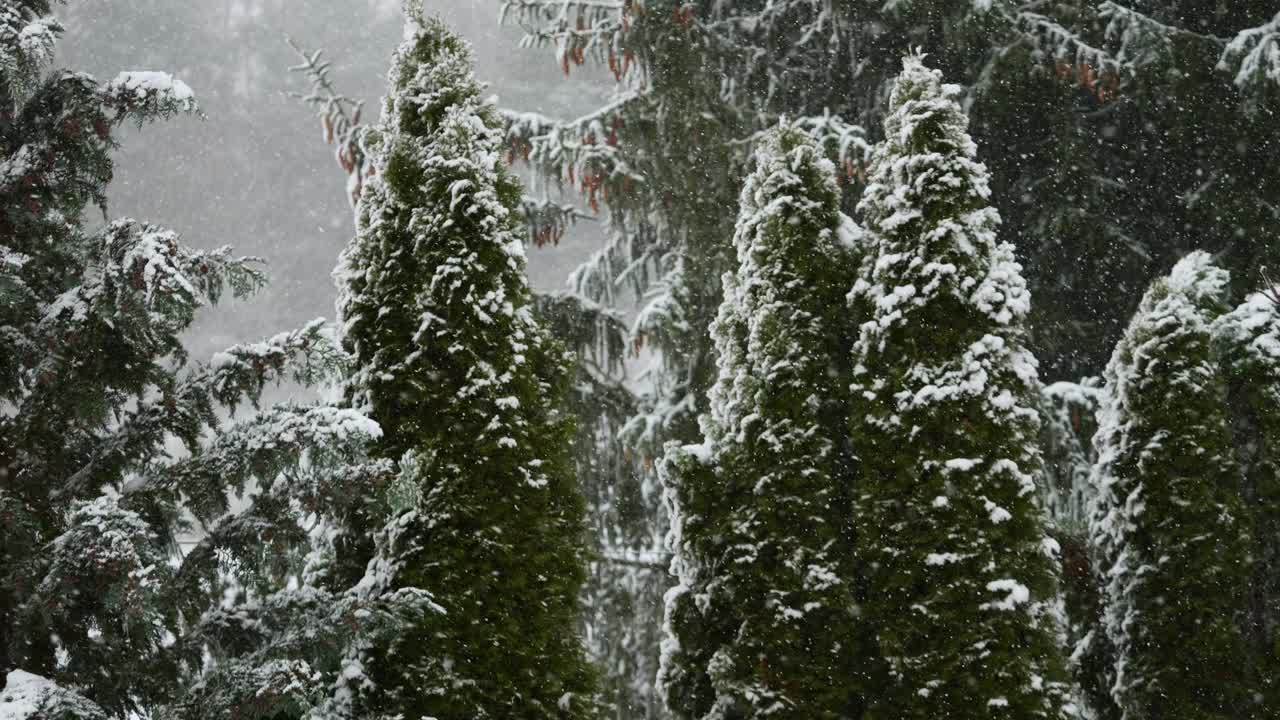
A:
<point x="265" y="628"/>
<point x="762" y="622"/>
<point x="665" y="157"/>
<point x="468" y="391"/>
<point x="1168" y="532"/>
<point x="958" y="567"/>
<point x="99" y="391"/>
<point x="1086" y="112"/>
<point x="1249" y="345"/>
<point x="624" y="572"/>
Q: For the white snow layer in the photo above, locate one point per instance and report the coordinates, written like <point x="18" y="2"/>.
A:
<point x="24" y="694"/>
<point x="141" y="82"/>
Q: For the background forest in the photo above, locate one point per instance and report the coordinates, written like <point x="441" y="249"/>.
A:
<point x="814" y="292"/>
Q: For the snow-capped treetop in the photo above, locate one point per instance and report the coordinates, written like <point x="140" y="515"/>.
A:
<point x="1185" y="304"/>
<point x="466" y="388"/>
<point x="1187" y="301"/>
<point x="792" y="185"/>
<point x="945" y="424"/>
<point x="756" y="507"/>
<point x="440" y="180"/>
<point x="918" y="95"/>
<point x="1069" y="411"/>
<point x="926" y="205"/>
<point x="1165" y="472"/>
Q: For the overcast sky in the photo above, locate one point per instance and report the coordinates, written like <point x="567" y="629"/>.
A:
<point x="255" y="174"/>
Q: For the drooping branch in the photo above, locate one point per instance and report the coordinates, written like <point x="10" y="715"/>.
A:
<point x="339" y="117"/>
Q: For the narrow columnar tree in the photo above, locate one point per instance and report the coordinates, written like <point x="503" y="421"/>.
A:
<point x="469" y="392"/>
<point x="1249" y="344"/>
<point x="1168" y="532"/>
<point x="960" y="573"/>
<point x="762" y="623"/>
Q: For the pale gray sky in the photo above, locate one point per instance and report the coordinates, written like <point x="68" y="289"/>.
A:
<point x="255" y="174"/>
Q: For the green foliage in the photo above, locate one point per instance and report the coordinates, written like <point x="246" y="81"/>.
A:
<point x="763" y="620"/>
<point x="115" y="445"/>
<point x="959" y="573"/>
<point x="1248" y="350"/>
<point x="1169" y="533"/>
<point x="469" y="391"/>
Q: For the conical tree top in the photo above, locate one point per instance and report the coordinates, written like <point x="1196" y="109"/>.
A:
<point x="929" y="218"/>
<point x="926" y="140"/>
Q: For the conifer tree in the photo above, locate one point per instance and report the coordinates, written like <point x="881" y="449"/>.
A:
<point x="664" y="157"/>
<point x="98" y="391"/>
<point x="1249" y="345"/>
<point x="1168" y="532"/>
<point x="959" y="569"/>
<point x="469" y="391"/>
<point x="1086" y="113"/>
<point x="762" y="622"/>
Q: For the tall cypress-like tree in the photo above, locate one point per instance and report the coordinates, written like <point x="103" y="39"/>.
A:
<point x="666" y="157"/>
<point x="1249" y="345"/>
<point x="959" y="569"/>
<point x="762" y="622"/>
<point x="626" y="578"/>
<point x="469" y="391"/>
<point x="1168" y="531"/>
<point x="1086" y="113"/>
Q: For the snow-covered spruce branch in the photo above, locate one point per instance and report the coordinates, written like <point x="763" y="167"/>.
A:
<point x="260" y="449"/>
<point x="1063" y="44"/>
<point x="630" y="258"/>
<point x="294" y="634"/>
<point x="584" y="153"/>
<point x="148" y="95"/>
<point x="25" y="691"/>
<point x="547" y="221"/>
<point x="307" y="356"/>
<point x="258" y="541"/>
<point x="143" y="273"/>
<point x="106" y="553"/>
<point x="26" y="46"/>
<point x="1255" y="55"/>
<point x="184" y="408"/>
<point x="1119" y="16"/>
<point x="1140" y="39"/>
<point x="1252" y="55"/>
